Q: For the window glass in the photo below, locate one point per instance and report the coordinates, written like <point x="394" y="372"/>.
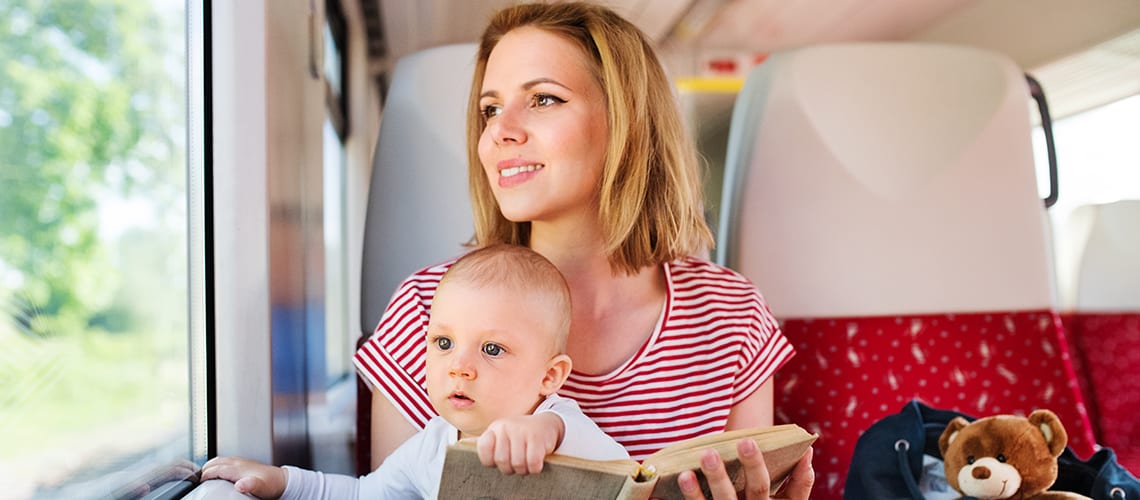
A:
<point x="94" y="324"/>
<point x="1097" y="157"/>
<point x="1097" y="162"/>
<point x="338" y="341"/>
<point x="332" y="59"/>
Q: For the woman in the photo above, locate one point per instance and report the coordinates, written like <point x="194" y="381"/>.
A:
<point x="577" y="150"/>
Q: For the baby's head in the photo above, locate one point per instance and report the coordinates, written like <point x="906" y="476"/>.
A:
<point x="497" y="336"/>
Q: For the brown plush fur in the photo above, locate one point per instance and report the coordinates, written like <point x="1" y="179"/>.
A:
<point x="1005" y="456"/>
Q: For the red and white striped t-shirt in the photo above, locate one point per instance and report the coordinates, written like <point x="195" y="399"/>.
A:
<point x="714" y="345"/>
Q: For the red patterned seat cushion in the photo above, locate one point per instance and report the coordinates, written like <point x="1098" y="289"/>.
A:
<point x="1108" y="348"/>
<point x="851" y="372"/>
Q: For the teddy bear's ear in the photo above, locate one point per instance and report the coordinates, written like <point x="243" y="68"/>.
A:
<point x="1050" y="426"/>
<point x="950" y="433"/>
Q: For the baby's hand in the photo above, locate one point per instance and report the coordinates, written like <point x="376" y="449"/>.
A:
<point x="517" y="445"/>
<point x="248" y="476"/>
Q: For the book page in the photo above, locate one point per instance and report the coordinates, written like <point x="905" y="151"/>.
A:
<point x="686" y="454"/>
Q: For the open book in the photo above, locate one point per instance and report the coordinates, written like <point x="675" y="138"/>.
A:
<point x="655" y="477"/>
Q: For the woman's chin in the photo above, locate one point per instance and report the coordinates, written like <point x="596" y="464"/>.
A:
<point x="516" y="215"/>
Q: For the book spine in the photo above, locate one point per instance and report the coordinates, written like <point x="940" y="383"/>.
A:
<point x="636" y="490"/>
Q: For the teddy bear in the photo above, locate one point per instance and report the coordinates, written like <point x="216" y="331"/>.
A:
<point x="1005" y="456"/>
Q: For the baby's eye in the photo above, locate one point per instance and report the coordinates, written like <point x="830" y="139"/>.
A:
<point x="490" y="111"/>
<point x="442" y="343"/>
<point x="547" y="100"/>
<point x="492" y="349"/>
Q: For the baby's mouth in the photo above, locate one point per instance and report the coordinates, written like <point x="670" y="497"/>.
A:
<point x="460" y="400"/>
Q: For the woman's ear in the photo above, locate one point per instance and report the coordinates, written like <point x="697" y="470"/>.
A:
<point x="557" y="369"/>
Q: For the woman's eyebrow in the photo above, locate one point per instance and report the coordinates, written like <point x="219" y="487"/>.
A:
<point x="537" y="81"/>
<point x="527" y="86"/>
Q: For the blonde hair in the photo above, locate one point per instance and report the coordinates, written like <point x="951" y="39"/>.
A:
<point x="650" y="195"/>
<point x="516" y="267"/>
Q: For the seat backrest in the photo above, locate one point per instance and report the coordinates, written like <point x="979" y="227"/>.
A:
<point x="419" y="211"/>
<point x="1104" y="319"/>
<point x="883" y="198"/>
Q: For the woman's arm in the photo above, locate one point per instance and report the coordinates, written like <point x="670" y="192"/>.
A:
<point x="389" y="428"/>
<point x="754" y="411"/>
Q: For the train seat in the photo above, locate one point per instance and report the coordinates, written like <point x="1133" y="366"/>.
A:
<point x="1104" y="320"/>
<point x="882" y="197"/>
<point x="419" y="211"/>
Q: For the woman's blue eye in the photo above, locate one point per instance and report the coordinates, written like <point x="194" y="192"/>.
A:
<point x="492" y="349"/>
<point x="443" y="343"/>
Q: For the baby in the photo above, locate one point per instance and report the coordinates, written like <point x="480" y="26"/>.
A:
<point x="496" y="356"/>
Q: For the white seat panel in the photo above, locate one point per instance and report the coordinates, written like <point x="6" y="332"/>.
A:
<point x="885" y="178"/>
<point x="1109" y="272"/>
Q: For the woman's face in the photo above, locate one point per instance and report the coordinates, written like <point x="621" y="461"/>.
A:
<point x="545" y="138"/>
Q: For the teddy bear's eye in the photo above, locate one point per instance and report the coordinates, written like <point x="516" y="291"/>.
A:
<point x="1001" y="458"/>
<point x="970" y="460"/>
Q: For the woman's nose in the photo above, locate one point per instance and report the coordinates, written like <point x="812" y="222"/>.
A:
<point x="508" y="127"/>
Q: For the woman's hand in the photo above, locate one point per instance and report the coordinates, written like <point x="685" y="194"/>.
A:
<point x="796" y="487"/>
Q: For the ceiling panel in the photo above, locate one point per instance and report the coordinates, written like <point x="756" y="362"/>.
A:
<point x="1054" y="39"/>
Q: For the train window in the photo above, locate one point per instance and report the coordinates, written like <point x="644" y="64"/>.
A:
<point x="97" y="196"/>
<point x="1096" y="156"/>
<point x="338" y="341"/>
<point x="337" y="337"/>
<point x="334" y="70"/>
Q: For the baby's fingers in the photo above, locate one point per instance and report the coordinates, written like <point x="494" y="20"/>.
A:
<point x="250" y="484"/>
<point x="535" y="455"/>
<point x="486" y="448"/>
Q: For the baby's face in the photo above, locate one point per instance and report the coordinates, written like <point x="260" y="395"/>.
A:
<point x="487" y="355"/>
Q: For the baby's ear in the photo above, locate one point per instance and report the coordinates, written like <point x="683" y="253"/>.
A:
<point x="557" y="369"/>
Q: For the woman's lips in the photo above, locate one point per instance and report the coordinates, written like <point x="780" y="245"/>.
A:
<point x="517" y="171"/>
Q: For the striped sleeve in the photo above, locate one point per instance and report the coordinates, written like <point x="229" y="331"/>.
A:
<point x="393" y="359"/>
<point x="764" y="352"/>
<point x="727" y="304"/>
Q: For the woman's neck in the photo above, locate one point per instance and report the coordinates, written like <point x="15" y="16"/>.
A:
<point x="578" y="252"/>
<point x="613" y="312"/>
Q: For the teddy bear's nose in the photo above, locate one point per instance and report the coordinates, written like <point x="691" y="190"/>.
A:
<point x="981" y="473"/>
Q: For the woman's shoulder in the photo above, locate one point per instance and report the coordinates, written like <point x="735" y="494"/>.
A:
<point x="428" y="277"/>
<point x="696" y="269"/>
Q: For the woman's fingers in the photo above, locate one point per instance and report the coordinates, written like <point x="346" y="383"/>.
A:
<point x="720" y="485"/>
<point x="690" y="487"/>
<point x="757" y="482"/>
<point x="756" y="477"/>
<point x="800" y="480"/>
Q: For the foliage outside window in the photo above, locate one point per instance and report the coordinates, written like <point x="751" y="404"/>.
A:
<point x="94" y="374"/>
